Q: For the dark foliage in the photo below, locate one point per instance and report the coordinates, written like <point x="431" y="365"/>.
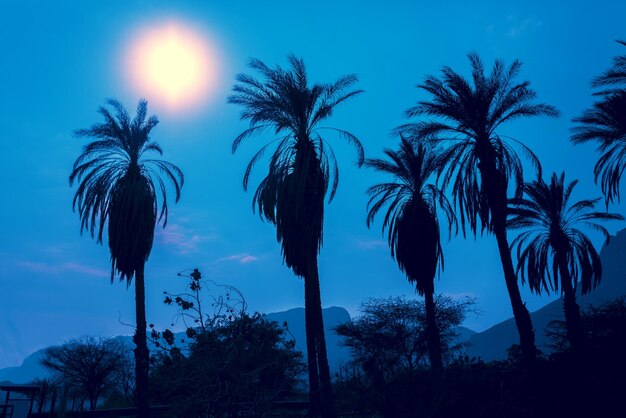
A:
<point x="465" y="117"/>
<point x="614" y="77"/>
<point x="116" y="183"/>
<point x="552" y="251"/>
<point x="303" y="166"/>
<point x="551" y="234"/>
<point x="243" y="365"/>
<point x="87" y="366"/>
<point x="605" y="331"/>
<point x="563" y="385"/>
<point x="388" y="338"/>
<point x="411" y="205"/>
<point x="229" y="362"/>
<point x="605" y="124"/>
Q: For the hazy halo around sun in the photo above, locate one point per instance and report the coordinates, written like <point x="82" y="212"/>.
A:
<point x="172" y="65"/>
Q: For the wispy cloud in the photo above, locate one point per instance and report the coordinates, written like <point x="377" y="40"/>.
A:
<point x="518" y="27"/>
<point x="181" y="239"/>
<point x="370" y="244"/>
<point x="243" y="258"/>
<point x="60" y="268"/>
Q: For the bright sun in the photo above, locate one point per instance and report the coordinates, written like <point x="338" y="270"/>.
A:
<point x="172" y="65"/>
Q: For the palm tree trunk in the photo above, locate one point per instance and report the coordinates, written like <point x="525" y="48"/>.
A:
<point x="432" y="332"/>
<point x="325" y="385"/>
<point x="141" y="351"/>
<point x="314" y="383"/>
<point x="495" y="188"/>
<point x="520" y="313"/>
<point x="571" y="310"/>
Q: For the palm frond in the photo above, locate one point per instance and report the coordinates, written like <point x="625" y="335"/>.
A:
<point x="551" y="232"/>
<point x="410" y="220"/>
<point x="464" y="116"/>
<point x="116" y="186"/>
<point x="302" y="169"/>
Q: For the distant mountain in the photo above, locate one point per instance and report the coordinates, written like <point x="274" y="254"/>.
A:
<point x="492" y="343"/>
<point x="464" y="334"/>
<point x="333" y="316"/>
<point x="29" y="370"/>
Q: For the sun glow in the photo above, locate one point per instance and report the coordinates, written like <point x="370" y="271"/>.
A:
<point x="172" y="65"/>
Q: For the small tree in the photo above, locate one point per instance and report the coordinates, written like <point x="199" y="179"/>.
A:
<point x="228" y="361"/>
<point x="389" y="337"/>
<point x="604" y="327"/>
<point x="86" y="366"/>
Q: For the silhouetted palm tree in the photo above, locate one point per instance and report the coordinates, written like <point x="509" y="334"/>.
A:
<point x="480" y="162"/>
<point x="614" y="76"/>
<point x="605" y="123"/>
<point x="118" y="185"/>
<point x="412" y="225"/>
<point x="552" y="250"/>
<point x="302" y="170"/>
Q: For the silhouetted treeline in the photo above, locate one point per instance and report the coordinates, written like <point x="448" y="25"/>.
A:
<point x="561" y="384"/>
<point x="454" y="163"/>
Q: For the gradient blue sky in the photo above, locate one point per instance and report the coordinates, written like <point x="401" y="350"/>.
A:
<point x="61" y="60"/>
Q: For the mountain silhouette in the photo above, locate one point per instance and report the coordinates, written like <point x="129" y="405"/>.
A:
<point x="333" y="316"/>
<point x="492" y="343"/>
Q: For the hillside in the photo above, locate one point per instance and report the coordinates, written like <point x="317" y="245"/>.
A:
<point x="492" y="343"/>
<point x="31" y="369"/>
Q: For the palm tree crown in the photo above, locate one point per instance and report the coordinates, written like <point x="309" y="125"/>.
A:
<point x="551" y="226"/>
<point x="116" y="183"/>
<point x="411" y="219"/>
<point x="614" y="76"/>
<point x="303" y="167"/>
<point x="605" y="123"/>
<point x="468" y="115"/>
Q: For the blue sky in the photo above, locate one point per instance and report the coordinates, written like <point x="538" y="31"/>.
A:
<point x="60" y="61"/>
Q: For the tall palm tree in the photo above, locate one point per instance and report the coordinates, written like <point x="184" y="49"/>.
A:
<point x="302" y="171"/>
<point x="119" y="186"/>
<point x="614" y="76"/>
<point x="605" y="123"/>
<point x="481" y="164"/>
<point x="412" y="225"/>
<point x="552" y="250"/>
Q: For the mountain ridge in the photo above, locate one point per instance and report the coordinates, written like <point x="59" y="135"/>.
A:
<point x="490" y="344"/>
<point x="333" y="316"/>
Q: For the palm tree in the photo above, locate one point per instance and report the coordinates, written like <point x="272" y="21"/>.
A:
<point x="552" y="250"/>
<point x="480" y="163"/>
<point x="605" y="123"/>
<point x="614" y="76"/>
<point x="302" y="171"/>
<point x="118" y="185"/>
<point x="412" y="225"/>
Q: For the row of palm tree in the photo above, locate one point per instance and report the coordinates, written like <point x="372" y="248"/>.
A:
<point x="552" y="250"/>
<point x="455" y="145"/>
